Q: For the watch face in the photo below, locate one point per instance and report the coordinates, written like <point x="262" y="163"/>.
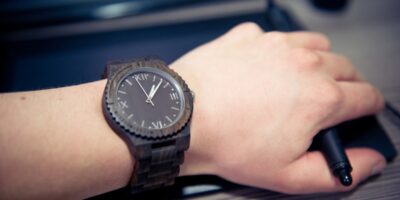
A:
<point x="149" y="98"/>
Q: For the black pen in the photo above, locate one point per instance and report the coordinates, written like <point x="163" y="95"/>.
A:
<point x="333" y="151"/>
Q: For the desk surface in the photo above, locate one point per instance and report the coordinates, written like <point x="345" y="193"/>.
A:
<point x="368" y="34"/>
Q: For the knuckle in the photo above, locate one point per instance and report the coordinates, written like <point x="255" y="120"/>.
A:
<point x="275" y="37"/>
<point x="345" y="61"/>
<point x="331" y="96"/>
<point x="305" y="59"/>
<point x="248" y="27"/>
<point x="323" y="39"/>
<point x="323" y="99"/>
<point x="242" y="31"/>
<point x="378" y="102"/>
<point x="371" y="89"/>
<point x="343" y="58"/>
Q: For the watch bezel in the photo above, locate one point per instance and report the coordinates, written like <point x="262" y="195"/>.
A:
<point x="123" y="125"/>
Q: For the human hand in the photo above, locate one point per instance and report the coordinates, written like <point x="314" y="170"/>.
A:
<point x="260" y="100"/>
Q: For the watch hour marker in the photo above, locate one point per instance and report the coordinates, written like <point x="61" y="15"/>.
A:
<point x="174" y="108"/>
<point x="166" y="85"/>
<point x="157" y="124"/>
<point x="127" y="81"/>
<point x="123" y="104"/>
<point x="154" y="78"/>
<point x="142" y="124"/>
<point x="130" y="116"/>
<point x="169" y="119"/>
<point x="141" y="77"/>
<point x="173" y="96"/>
<point x="122" y="92"/>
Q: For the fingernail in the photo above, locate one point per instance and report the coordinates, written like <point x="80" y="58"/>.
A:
<point x="378" y="168"/>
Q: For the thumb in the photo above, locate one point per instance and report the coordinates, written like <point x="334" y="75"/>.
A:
<point x="310" y="173"/>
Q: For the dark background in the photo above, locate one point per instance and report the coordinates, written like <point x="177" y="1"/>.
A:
<point x="50" y="59"/>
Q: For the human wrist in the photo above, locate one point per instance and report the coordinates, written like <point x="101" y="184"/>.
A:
<point x="197" y="160"/>
<point x="114" y="148"/>
<point x="174" y="139"/>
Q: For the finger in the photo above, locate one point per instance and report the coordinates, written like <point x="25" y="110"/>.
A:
<point x="311" y="40"/>
<point x="311" y="174"/>
<point x="338" y="67"/>
<point x="358" y="99"/>
<point x="302" y="39"/>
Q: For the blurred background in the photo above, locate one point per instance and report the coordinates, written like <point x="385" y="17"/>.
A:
<point x="47" y="43"/>
<point x="54" y="43"/>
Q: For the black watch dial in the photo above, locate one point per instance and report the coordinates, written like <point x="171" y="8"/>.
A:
<point x="149" y="98"/>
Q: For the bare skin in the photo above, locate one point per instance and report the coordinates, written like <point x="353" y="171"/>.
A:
<point x="268" y="94"/>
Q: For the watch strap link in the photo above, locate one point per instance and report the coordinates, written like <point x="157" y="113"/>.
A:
<point x="158" y="170"/>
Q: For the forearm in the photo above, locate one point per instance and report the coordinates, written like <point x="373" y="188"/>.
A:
<point x="62" y="148"/>
<point x="256" y="94"/>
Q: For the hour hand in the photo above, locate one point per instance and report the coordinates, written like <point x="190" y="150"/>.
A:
<point x="151" y="94"/>
<point x="153" y="90"/>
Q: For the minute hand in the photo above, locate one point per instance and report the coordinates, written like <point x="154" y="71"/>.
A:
<point x="144" y="91"/>
<point x="153" y="92"/>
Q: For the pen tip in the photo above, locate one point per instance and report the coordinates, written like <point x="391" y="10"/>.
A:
<point x="345" y="179"/>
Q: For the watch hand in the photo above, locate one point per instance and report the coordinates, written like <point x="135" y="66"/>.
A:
<point x="149" y="97"/>
<point x="153" y="92"/>
<point x="144" y="91"/>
